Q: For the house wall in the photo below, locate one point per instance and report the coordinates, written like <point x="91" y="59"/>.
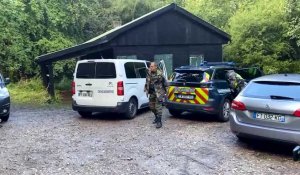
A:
<point x="171" y="28"/>
<point x="181" y="53"/>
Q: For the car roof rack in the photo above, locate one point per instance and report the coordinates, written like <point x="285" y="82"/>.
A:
<point x="207" y="65"/>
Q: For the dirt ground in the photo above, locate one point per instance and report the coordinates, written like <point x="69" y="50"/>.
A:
<point x="58" y="141"/>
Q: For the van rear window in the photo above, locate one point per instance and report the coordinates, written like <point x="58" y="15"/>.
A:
<point x="105" y="70"/>
<point x="86" y="70"/>
<point x="96" y="70"/>
<point x="190" y="76"/>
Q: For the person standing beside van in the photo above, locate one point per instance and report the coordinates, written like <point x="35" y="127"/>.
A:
<point x="155" y="88"/>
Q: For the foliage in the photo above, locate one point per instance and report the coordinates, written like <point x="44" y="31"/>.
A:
<point x="264" y="32"/>
<point x="30" y="91"/>
<point x="64" y="84"/>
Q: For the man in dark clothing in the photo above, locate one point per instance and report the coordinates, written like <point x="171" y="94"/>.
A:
<point x="155" y="87"/>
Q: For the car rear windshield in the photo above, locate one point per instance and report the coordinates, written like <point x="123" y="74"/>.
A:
<point x="189" y="76"/>
<point x="96" y="70"/>
<point x="273" y="90"/>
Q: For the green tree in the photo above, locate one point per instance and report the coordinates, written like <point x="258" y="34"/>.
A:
<point x="259" y="37"/>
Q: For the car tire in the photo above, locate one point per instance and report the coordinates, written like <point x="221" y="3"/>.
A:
<point x="131" y="109"/>
<point x="5" y="118"/>
<point x="243" y="139"/>
<point x="175" y="112"/>
<point x="85" y="113"/>
<point x="223" y="115"/>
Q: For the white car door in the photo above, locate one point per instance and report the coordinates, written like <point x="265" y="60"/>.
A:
<point x="162" y="67"/>
<point x="140" y="69"/>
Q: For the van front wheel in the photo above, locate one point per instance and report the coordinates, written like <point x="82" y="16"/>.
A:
<point x="131" y="109"/>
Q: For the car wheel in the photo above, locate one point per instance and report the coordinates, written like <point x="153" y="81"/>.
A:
<point x="132" y="109"/>
<point x="5" y="118"/>
<point x="243" y="139"/>
<point x="224" y="112"/>
<point x="84" y="113"/>
<point x="175" y="112"/>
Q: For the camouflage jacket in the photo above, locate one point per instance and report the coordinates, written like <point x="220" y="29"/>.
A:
<point x="158" y="81"/>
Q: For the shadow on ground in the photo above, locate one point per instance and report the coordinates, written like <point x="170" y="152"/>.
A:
<point x="112" y="116"/>
<point x="268" y="146"/>
<point x="197" y="117"/>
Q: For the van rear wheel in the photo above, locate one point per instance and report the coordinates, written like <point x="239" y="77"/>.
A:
<point x="131" y="109"/>
<point x="175" y="113"/>
<point x="84" y="113"/>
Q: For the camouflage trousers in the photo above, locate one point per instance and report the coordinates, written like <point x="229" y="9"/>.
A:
<point x="155" y="105"/>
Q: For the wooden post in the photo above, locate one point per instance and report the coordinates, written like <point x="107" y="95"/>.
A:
<point x="51" y="81"/>
<point x="44" y="75"/>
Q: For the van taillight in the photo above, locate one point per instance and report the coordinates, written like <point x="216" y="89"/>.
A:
<point x="297" y="113"/>
<point x="120" y="88"/>
<point x="73" y="88"/>
<point x="237" y="105"/>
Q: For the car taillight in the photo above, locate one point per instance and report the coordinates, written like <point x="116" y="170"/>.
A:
<point x="73" y="88"/>
<point x="237" y="105"/>
<point x="120" y="88"/>
<point x="297" y="113"/>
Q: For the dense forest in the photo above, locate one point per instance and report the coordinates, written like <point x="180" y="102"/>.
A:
<point x="264" y="32"/>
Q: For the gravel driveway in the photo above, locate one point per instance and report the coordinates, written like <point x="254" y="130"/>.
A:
<point x="59" y="141"/>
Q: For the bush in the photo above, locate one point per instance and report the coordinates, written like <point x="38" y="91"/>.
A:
<point x="31" y="92"/>
<point x="64" y="84"/>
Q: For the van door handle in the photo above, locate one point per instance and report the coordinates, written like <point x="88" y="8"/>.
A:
<point x="88" y="84"/>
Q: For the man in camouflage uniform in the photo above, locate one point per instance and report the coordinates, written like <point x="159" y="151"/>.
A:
<point x="155" y="88"/>
<point x="236" y="82"/>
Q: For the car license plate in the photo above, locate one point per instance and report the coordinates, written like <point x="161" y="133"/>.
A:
<point x="85" y="94"/>
<point x="184" y="89"/>
<point x="187" y="97"/>
<point x="269" y="117"/>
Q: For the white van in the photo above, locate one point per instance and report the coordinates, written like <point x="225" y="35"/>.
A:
<point x="109" y="85"/>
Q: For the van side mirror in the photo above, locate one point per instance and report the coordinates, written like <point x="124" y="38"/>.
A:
<point x="6" y="81"/>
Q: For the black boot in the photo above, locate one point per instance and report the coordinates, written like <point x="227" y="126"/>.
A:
<point x="155" y="120"/>
<point x="158" y="123"/>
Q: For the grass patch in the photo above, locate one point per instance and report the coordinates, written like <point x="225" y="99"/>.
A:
<point x="31" y="92"/>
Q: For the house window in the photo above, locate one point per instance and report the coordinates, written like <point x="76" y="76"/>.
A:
<point x="134" y="57"/>
<point x="196" y="60"/>
<point x="168" y="59"/>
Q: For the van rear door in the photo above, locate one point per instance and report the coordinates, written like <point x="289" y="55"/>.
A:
<point x="96" y="84"/>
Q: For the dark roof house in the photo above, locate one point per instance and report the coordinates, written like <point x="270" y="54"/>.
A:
<point x="170" y="33"/>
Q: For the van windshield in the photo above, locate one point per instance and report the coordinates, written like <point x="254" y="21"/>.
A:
<point x="96" y="70"/>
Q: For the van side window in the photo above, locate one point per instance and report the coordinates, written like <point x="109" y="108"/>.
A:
<point x="129" y="69"/>
<point x="135" y="70"/>
<point x="220" y="74"/>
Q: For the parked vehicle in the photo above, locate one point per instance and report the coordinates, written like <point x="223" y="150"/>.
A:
<point x="269" y="108"/>
<point x="204" y="89"/>
<point x="109" y="85"/>
<point x="4" y="99"/>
